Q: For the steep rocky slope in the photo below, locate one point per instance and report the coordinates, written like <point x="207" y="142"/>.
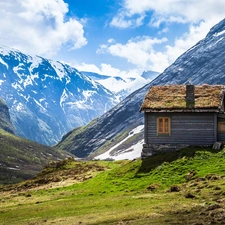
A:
<point x="5" y="122"/>
<point x="203" y="63"/>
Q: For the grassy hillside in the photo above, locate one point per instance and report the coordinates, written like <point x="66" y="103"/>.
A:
<point x="21" y="159"/>
<point x="184" y="187"/>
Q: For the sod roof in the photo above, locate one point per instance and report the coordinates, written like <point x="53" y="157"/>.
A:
<point x="173" y="98"/>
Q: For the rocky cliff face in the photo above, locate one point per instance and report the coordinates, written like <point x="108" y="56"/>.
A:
<point x="5" y="122"/>
<point x="46" y="99"/>
<point x="203" y="63"/>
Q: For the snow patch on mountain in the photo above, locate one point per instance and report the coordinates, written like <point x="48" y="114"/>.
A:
<point x="3" y="63"/>
<point x="59" y="69"/>
<point x="35" y="62"/>
<point x="120" y="85"/>
<point x="219" y="33"/>
<point x="131" y="153"/>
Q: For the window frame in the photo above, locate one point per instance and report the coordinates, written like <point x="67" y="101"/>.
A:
<point x="164" y="127"/>
<point x="219" y="126"/>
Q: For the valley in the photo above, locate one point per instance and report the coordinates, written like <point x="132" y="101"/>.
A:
<point x="51" y="98"/>
<point x="72" y="128"/>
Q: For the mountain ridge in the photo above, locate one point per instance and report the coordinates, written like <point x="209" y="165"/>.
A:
<point x="122" y="87"/>
<point x="48" y="98"/>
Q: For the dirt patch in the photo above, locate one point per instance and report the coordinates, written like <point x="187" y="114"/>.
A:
<point x="59" y="174"/>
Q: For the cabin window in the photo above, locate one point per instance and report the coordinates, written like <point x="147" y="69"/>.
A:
<point x="163" y="127"/>
<point x="221" y="127"/>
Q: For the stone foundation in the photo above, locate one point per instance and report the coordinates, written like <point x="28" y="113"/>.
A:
<point x="151" y="149"/>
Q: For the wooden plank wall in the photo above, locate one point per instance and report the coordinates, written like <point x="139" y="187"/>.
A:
<point x="186" y="128"/>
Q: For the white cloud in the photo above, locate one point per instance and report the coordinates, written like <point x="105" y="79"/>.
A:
<point x="121" y="21"/>
<point x="86" y="67"/>
<point x="138" y="51"/>
<point x="199" y="16"/>
<point x="39" y="26"/>
<point x="173" y="10"/>
<point x="141" y="51"/>
<point x="164" y="30"/>
<point x="111" y="40"/>
<point x="157" y="20"/>
<point x="107" y="69"/>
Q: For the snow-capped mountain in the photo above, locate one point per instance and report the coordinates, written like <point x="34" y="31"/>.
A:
<point x="203" y="63"/>
<point x="46" y="98"/>
<point x="122" y="86"/>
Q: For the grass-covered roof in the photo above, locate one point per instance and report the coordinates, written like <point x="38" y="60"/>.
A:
<point x="173" y="97"/>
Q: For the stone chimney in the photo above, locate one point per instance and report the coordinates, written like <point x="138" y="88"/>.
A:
<point x="190" y="96"/>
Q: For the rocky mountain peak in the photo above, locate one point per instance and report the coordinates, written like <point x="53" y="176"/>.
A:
<point x="217" y="29"/>
<point x="47" y="98"/>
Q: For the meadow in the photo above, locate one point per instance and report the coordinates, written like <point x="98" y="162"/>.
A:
<point x="183" y="187"/>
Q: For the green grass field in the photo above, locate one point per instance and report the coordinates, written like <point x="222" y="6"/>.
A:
<point x="183" y="187"/>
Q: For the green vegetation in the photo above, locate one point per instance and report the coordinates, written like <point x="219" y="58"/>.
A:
<point x="183" y="187"/>
<point x="21" y="159"/>
<point x="173" y="97"/>
<point x="67" y="141"/>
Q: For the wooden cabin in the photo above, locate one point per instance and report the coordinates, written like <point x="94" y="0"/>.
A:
<point x="178" y="116"/>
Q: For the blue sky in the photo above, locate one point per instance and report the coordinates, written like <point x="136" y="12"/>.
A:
<point x="115" y="37"/>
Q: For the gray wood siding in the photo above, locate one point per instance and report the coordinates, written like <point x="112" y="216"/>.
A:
<point x="186" y="128"/>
